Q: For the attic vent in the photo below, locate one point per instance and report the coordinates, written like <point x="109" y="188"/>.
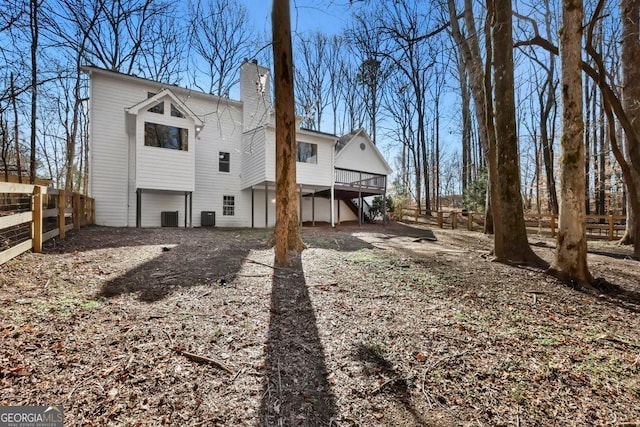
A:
<point x="169" y="219"/>
<point x="362" y="146"/>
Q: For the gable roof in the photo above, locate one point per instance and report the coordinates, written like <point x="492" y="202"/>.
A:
<point x="344" y="143"/>
<point x="150" y="102"/>
<point x="91" y="69"/>
<point x="344" y="139"/>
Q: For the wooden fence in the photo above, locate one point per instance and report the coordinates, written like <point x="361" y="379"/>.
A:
<point x="610" y="227"/>
<point x="32" y="214"/>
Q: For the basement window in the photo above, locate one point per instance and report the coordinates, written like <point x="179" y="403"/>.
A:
<point x="228" y="205"/>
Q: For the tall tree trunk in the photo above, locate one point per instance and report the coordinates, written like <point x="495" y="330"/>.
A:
<point x="589" y="96"/>
<point x="35" y="31"/>
<point x="570" y="263"/>
<point x="436" y="161"/>
<point x="601" y="208"/>
<point x="548" y="109"/>
<point x="631" y="101"/>
<point x="480" y="82"/>
<point x="16" y="130"/>
<point x="287" y="231"/>
<point x="466" y="124"/>
<point x="511" y="242"/>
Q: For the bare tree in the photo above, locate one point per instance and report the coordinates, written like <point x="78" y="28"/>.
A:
<point x="510" y="239"/>
<point x="334" y="65"/>
<point x="312" y="75"/>
<point x="631" y="100"/>
<point x="122" y="32"/>
<point x="163" y="57"/>
<point x="221" y="37"/>
<point x="366" y="41"/>
<point x="481" y="90"/>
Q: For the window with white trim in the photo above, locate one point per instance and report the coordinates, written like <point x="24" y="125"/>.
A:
<point x="157" y="135"/>
<point x="224" y="162"/>
<point x="307" y="152"/>
<point x="228" y="205"/>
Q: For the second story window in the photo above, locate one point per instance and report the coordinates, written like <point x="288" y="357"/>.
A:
<point x="307" y="153"/>
<point x="224" y="162"/>
<point x="156" y="135"/>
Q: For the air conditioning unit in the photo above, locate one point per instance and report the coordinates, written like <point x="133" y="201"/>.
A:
<point x="169" y="219"/>
<point x="207" y="219"/>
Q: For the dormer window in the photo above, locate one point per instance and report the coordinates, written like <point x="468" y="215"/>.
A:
<point x="175" y="112"/>
<point x="158" y="108"/>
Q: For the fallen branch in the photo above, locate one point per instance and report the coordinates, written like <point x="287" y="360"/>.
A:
<point x="204" y="359"/>
<point x="270" y="266"/>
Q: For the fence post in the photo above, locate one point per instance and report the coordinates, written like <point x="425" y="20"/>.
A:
<point x="76" y="211"/>
<point x="454" y="220"/>
<point x="37" y="219"/>
<point x="470" y="221"/>
<point x="440" y="219"/>
<point x="553" y="225"/>
<point x="611" y="227"/>
<point x="62" y="204"/>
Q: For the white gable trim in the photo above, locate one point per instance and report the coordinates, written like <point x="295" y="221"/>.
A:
<point x="149" y="102"/>
<point x="371" y="145"/>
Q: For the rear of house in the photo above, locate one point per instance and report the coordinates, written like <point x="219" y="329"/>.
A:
<point x="162" y="155"/>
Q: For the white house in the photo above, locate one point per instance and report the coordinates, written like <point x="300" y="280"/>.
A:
<point x="167" y="155"/>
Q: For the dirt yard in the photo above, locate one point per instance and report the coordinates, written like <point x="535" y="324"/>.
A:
<point x="370" y="326"/>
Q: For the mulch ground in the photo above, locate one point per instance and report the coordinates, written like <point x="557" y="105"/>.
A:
<point x="369" y="326"/>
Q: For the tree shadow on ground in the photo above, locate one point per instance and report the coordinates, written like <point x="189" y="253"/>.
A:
<point x="406" y="230"/>
<point x="375" y="363"/>
<point x="296" y="390"/>
<point x="615" y="255"/>
<point x="95" y="237"/>
<point x="191" y="260"/>
<point x="618" y="295"/>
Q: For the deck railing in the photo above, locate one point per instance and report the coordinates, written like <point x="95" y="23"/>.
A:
<point x="32" y="214"/>
<point x="359" y="179"/>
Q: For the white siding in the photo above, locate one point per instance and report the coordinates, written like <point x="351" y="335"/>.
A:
<point x="154" y="203"/>
<point x="164" y="168"/>
<point x="259" y="203"/>
<point x="367" y="160"/>
<point x="109" y="147"/>
<point x="255" y="93"/>
<point x="253" y="157"/>
<point x="222" y="132"/>
<point x="322" y="210"/>
<point x="270" y="155"/>
<point x="319" y="175"/>
<point x="316" y="174"/>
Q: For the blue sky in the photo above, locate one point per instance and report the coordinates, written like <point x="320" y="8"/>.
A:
<point x="306" y="15"/>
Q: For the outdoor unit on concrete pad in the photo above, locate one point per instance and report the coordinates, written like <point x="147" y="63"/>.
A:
<point x="169" y="219"/>
<point x="208" y="219"/>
